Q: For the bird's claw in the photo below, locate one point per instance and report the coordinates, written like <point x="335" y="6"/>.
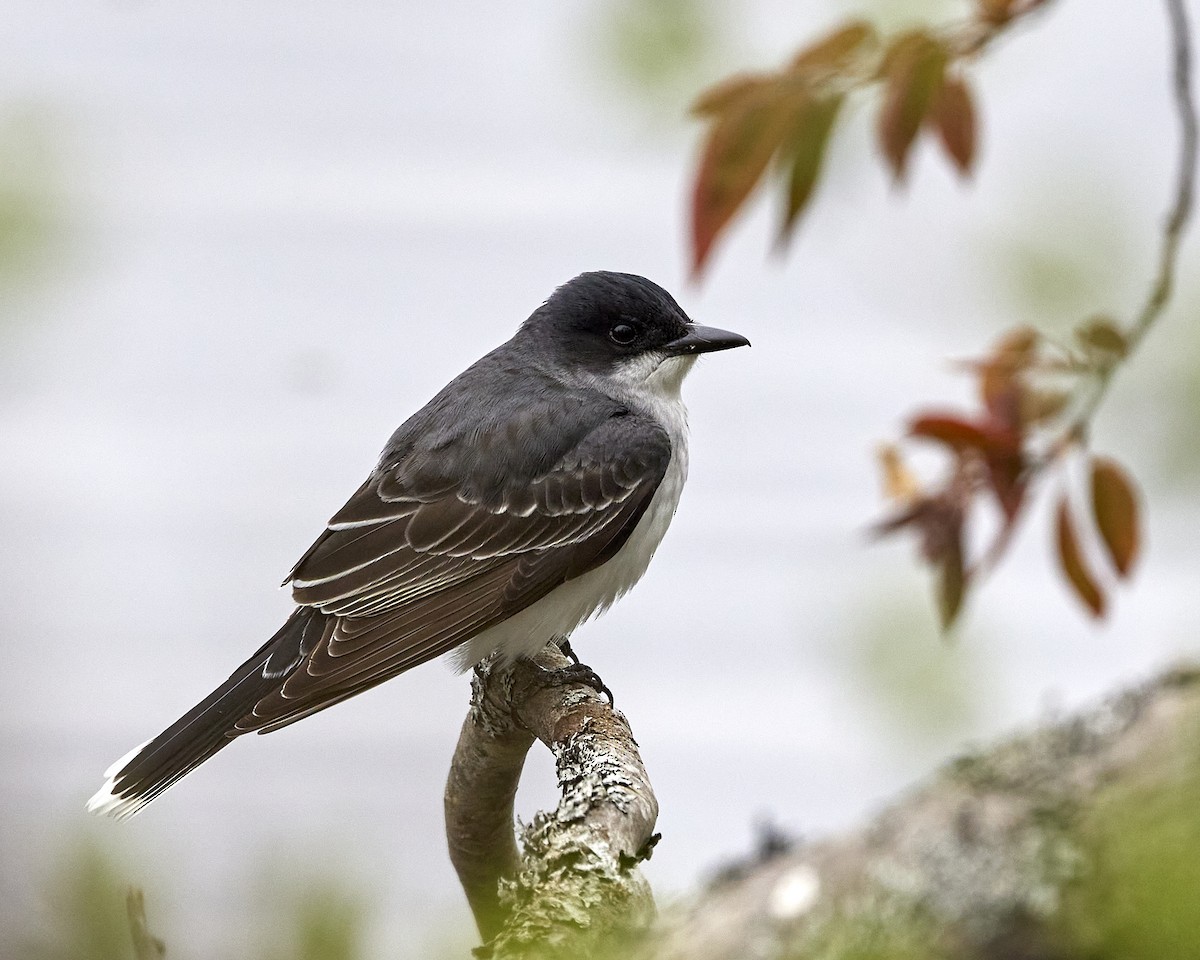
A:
<point x="579" y="673"/>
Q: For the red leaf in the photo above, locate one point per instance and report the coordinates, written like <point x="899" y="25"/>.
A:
<point x="1001" y="385"/>
<point x="1003" y="394"/>
<point x="953" y="116"/>
<point x="1070" y="560"/>
<point x="954" y="432"/>
<point x="996" y="442"/>
<point x="741" y="143"/>
<point x="938" y="521"/>
<point x="1006" y="473"/>
<point x="1115" y="507"/>
<point x="806" y="144"/>
<point x="914" y="67"/>
<point x="836" y="50"/>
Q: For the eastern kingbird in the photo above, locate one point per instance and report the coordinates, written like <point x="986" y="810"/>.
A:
<point x="524" y="498"/>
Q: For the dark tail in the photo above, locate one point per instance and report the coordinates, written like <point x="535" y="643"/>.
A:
<point x="145" y="772"/>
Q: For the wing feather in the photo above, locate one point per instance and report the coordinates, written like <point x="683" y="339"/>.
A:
<point x="411" y="569"/>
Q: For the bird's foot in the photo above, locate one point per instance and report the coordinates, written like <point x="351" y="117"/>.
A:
<point x="578" y="673"/>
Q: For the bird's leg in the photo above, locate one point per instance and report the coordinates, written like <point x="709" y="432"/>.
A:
<point x="564" y="644"/>
<point x="577" y="672"/>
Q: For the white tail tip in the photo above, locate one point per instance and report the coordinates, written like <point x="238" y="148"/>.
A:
<point x="106" y="802"/>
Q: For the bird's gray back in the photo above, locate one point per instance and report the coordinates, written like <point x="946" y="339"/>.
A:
<point x="499" y="425"/>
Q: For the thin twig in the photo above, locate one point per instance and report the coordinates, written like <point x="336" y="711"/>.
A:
<point x="1177" y="219"/>
<point x="1185" y="184"/>
<point x="973" y="37"/>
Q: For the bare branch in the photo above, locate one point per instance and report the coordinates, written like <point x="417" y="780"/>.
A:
<point x="576" y="884"/>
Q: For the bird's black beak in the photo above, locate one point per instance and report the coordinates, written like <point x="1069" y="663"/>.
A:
<point x="700" y="339"/>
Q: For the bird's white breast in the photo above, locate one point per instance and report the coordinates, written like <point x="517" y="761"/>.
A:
<point x="561" y="611"/>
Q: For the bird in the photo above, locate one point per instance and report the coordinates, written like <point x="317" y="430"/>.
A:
<point x="526" y="497"/>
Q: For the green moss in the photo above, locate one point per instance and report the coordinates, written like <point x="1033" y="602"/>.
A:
<point x="1140" y="898"/>
<point x="84" y="916"/>
<point x="930" y="691"/>
<point x="327" y="924"/>
<point x="30" y="203"/>
<point x="659" y="47"/>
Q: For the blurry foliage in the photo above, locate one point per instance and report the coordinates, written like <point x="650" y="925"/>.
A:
<point x="661" y="49"/>
<point x="308" y="910"/>
<point x="1037" y="397"/>
<point x="326" y="923"/>
<point x="30" y="204"/>
<point x="86" y="916"/>
<point x="897" y="14"/>
<point x="864" y="936"/>
<point x="926" y="690"/>
<point x="761" y="126"/>
<point x="1052" y="257"/>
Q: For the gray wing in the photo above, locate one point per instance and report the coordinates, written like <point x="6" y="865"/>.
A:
<point x="409" y="569"/>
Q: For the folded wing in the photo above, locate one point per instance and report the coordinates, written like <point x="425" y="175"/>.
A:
<point x="407" y="571"/>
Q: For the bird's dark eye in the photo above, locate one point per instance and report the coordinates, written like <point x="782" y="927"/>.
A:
<point x="622" y="333"/>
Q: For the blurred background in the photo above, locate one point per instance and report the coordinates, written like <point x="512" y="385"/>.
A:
<point x="240" y="244"/>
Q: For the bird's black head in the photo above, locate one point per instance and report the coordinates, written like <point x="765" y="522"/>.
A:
<point x="602" y="319"/>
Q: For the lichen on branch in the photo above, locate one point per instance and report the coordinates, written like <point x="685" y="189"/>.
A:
<point x="574" y="888"/>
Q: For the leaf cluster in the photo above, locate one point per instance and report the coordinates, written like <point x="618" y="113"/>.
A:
<point x="1028" y="426"/>
<point x="778" y="125"/>
<point x="1037" y="399"/>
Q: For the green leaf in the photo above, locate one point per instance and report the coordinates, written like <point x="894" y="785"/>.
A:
<point x="952" y="581"/>
<point x="914" y="67"/>
<point x="805" y="150"/>
<point x="953" y="431"/>
<point x="1101" y="337"/>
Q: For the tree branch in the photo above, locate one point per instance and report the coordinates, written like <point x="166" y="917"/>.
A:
<point x="576" y="885"/>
